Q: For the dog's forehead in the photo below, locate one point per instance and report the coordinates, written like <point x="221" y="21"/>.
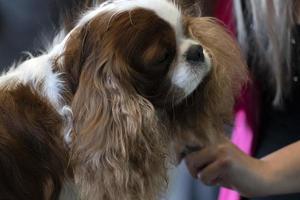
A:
<point x="165" y="9"/>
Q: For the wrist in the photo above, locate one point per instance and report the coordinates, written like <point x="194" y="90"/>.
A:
<point x="269" y="178"/>
<point x="259" y="180"/>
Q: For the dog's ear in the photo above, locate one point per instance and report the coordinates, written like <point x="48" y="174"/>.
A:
<point x="118" y="147"/>
<point x="77" y="51"/>
<point x="211" y="106"/>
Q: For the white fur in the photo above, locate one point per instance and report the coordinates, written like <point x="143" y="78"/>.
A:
<point x="188" y="77"/>
<point x="163" y="8"/>
<point x="32" y="72"/>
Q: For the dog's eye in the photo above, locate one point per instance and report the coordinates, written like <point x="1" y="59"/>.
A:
<point x="156" y="60"/>
<point x="163" y="59"/>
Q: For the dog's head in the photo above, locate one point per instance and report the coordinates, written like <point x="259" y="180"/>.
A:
<point x="145" y="47"/>
<point x="138" y="70"/>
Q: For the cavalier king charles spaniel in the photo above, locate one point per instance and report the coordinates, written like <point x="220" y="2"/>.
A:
<point x="98" y="115"/>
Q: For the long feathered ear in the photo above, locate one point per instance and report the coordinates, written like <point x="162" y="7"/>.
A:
<point x="118" y="148"/>
<point x="204" y="114"/>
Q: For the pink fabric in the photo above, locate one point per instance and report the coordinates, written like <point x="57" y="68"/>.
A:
<point x="246" y="114"/>
<point x="243" y="132"/>
<point x="223" y="11"/>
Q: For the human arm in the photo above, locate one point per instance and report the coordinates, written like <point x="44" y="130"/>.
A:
<point x="225" y="164"/>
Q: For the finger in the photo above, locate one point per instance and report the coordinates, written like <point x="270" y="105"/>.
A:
<point x="212" y="174"/>
<point x="196" y="161"/>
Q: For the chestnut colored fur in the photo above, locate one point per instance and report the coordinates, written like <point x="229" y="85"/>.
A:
<point x="200" y="119"/>
<point x="123" y="134"/>
<point x="32" y="159"/>
<point x="120" y="147"/>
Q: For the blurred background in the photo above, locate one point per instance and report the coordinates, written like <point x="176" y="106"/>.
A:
<point x="25" y="25"/>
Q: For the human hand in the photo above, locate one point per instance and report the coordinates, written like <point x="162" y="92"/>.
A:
<point x="226" y="165"/>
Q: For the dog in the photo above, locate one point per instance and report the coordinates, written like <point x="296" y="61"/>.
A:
<point x="100" y="112"/>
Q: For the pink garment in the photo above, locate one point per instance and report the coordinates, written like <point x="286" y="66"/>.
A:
<point x="223" y="11"/>
<point x="246" y="110"/>
<point x="243" y="135"/>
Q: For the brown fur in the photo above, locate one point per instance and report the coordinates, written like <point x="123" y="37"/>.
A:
<point x="119" y="147"/>
<point x="200" y="119"/>
<point x="32" y="158"/>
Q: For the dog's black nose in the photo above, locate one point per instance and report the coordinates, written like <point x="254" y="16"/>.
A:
<point x="195" y="54"/>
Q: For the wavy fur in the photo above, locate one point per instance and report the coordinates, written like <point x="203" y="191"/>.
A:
<point x="201" y="118"/>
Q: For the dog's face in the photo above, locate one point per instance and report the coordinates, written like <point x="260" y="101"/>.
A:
<point x="149" y="48"/>
<point x="163" y="64"/>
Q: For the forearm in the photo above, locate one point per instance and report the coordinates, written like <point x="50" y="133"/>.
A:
<point x="283" y="170"/>
<point x="225" y="164"/>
